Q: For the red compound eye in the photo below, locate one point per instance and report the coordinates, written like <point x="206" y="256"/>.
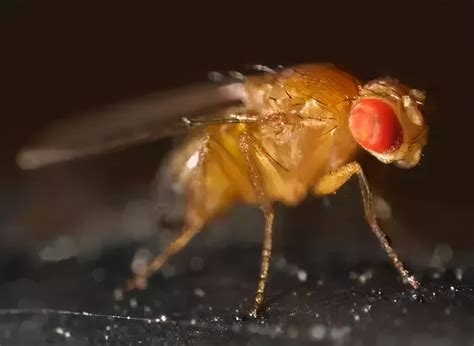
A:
<point x="375" y="126"/>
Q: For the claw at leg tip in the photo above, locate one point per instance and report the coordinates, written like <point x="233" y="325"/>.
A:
<point x="253" y="313"/>
<point x="413" y="282"/>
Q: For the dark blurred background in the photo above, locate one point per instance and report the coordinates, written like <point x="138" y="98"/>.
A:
<point x="61" y="58"/>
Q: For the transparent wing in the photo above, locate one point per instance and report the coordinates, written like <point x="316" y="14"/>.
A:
<point x="125" y="124"/>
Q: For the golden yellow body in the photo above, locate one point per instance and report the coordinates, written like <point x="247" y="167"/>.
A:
<point x="300" y="134"/>
<point x="294" y="135"/>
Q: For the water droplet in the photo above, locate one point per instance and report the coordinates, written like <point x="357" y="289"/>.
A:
<point x="163" y="318"/>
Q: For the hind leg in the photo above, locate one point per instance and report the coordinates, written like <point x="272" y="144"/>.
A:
<point x="140" y="280"/>
<point x="194" y="223"/>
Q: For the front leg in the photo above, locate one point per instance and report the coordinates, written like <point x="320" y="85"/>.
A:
<point x="331" y="182"/>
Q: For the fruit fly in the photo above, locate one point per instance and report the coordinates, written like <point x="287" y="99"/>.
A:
<point x="288" y="133"/>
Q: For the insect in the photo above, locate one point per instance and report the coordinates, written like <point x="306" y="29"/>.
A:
<point x="287" y="133"/>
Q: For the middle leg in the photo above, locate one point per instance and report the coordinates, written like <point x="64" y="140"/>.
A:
<point x="246" y="144"/>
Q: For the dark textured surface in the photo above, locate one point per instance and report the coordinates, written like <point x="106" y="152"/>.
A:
<point x="340" y="303"/>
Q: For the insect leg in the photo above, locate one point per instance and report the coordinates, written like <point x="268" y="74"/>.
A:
<point x="333" y="181"/>
<point x="194" y="223"/>
<point x="267" y="209"/>
<point x="231" y="115"/>
<point x="140" y="280"/>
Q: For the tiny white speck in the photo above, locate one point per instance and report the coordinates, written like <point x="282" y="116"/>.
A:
<point x="163" y="318"/>
<point x="302" y="275"/>
<point x="356" y="318"/>
<point x="193" y="322"/>
<point x="63" y="332"/>
<point x="193" y="160"/>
